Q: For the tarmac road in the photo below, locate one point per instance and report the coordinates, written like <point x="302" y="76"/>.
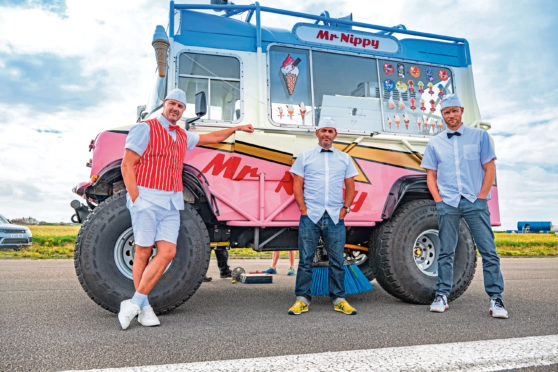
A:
<point x="47" y="322"/>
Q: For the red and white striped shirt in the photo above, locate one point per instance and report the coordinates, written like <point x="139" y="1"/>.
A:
<point x="160" y="166"/>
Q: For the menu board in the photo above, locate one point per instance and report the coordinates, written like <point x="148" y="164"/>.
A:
<point x="412" y="94"/>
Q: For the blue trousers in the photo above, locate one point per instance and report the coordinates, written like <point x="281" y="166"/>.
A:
<point x="334" y="238"/>
<point x="477" y="217"/>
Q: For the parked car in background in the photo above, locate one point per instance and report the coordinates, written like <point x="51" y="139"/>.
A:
<point x="13" y="236"/>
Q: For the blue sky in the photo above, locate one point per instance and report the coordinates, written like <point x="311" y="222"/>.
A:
<point x="70" y="69"/>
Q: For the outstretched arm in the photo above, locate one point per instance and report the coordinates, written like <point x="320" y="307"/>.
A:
<point x="221" y="135"/>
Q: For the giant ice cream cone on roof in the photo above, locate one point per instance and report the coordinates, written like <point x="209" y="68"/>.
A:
<point x="290" y="72"/>
<point x="161" y="45"/>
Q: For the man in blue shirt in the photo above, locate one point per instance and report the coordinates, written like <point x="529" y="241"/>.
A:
<point x="460" y="173"/>
<point x="319" y="175"/>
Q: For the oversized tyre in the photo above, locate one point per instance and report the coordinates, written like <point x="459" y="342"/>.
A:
<point x="104" y="253"/>
<point x="405" y="250"/>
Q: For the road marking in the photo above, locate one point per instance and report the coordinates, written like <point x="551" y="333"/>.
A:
<point x="487" y="355"/>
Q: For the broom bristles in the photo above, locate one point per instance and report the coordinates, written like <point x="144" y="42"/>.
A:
<point x="355" y="281"/>
<point x="320" y="281"/>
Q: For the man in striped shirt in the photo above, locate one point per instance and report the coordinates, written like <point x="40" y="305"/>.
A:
<point x="152" y="172"/>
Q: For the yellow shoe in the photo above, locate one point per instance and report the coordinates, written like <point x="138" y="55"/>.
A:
<point x="345" y="308"/>
<point x="299" y="307"/>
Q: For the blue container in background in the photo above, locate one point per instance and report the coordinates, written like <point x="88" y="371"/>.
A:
<point x="534" y="226"/>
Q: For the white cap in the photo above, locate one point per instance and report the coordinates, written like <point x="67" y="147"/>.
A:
<point x="177" y="95"/>
<point x="327" y="122"/>
<point x="451" y="100"/>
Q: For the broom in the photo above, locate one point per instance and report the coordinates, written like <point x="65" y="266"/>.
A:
<point x="355" y="280"/>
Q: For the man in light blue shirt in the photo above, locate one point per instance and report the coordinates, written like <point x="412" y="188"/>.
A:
<point x="319" y="175"/>
<point x="460" y="173"/>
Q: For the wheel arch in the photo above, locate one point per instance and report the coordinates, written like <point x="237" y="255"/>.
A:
<point x="405" y="188"/>
<point x="196" y="192"/>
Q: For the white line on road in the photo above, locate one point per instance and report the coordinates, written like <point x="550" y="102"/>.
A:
<point x="489" y="355"/>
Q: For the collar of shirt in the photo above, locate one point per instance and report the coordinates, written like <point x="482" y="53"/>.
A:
<point x="459" y="130"/>
<point x="165" y="123"/>
<point x="319" y="148"/>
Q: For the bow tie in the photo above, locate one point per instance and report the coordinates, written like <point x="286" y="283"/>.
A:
<point x="173" y="127"/>
<point x="326" y="150"/>
<point x="453" y="134"/>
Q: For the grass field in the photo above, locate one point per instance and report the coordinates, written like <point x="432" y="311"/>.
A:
<point x="526" y="244"/>
<point x="58" y="242"/>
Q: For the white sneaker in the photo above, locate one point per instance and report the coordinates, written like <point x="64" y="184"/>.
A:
<point x="147" y="317"/>
<point x="128" y="311"/>
<point x="440" y="304"/>
<point x="497" y="309"/>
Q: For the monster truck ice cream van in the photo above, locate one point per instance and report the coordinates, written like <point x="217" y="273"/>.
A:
<point x="381" y="85"/>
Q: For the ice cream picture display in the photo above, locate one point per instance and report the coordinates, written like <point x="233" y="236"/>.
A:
<point x="290" y="72"/>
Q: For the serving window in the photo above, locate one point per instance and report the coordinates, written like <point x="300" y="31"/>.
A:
<point x="411" y="96"/>
<point x="361" y="94"/>
<point x="346" y="89"/>
<point x="217" y="75"/>
<point x="290" y="86"/>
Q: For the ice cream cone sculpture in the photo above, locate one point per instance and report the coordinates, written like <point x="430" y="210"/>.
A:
<point x="440" y="125"/>
<point x="421" y="87"/>
<point x="413" y="102"/>
<point x="161" y="45"/>
<point x="302" y="109"/>
<point x="391" y="103"/>
<point x="400" y="104"/>
<point x="422" y="105"/>
<point x="397" y="121"/>
<point x="290" y="72"/>
<point x="290" y="111"/>
<point x="430" y="86"/>
<point x="406" y="121"/>
<point x="441" y="90"/>
<point x="280" y="109"/>
<point x="432" y="105"/>
<point x="419" y="123"/>
<point x="411" y="83"/>
<point x="389" y="122"/>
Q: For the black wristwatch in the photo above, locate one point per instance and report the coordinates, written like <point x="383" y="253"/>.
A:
<point x="347" y="209"/>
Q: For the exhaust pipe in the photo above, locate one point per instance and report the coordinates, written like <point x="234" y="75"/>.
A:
<point x="82" y="211"/>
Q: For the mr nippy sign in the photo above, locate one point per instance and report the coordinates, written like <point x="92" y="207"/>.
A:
<point x="361" y="41"/>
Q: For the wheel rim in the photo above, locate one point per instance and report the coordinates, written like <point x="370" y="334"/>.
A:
<point x="124" y="250"/>
<point x="426" y="251"/>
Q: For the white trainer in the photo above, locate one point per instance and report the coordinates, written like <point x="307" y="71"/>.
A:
<point x="440" y="304"/>
<point x="497" y="309"/>
<point x="128" y="311"/>
<point x="147" y="317"/>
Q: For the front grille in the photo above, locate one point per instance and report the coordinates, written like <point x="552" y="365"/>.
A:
<point x="15" y="241"/>
<point x="13" y="231"/>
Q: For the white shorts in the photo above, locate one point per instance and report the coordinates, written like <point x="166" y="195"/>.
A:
<point x="152" y="223"/>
